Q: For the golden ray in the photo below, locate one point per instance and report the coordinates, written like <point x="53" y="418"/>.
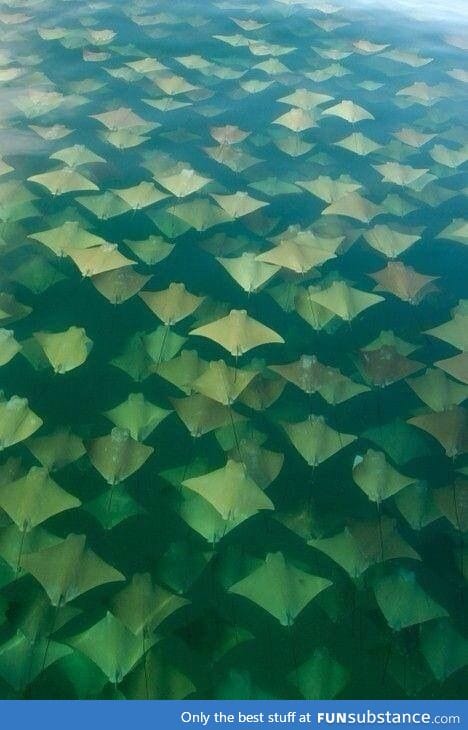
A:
<point x="65" y="350"/>
<point x="117" y="456"/>
<point x="389" y="242"/>
<point x="201" y="415"/>
<point x="99" y="259"/>
<point x="249" y="272"/>
<point x="343" y="300"/>
<point x="173" y="304"/>
<point x="137" y="415"/>
<point x="315" y="441"/>
<point x="385" y="365"/>
<point x="349" y="111"/>
<point x="449" y="428"/>
<point x="230" y="491"/>
<point x="238" y="204"/>
<point x="377" y="478"/>
<point x="238" y="333"/>
<point x="437" y="391"/>
<point x="404" y="282"/>
<point x="222" y="383"/>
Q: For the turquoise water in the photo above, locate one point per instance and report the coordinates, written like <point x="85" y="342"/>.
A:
<point x="278" y="507"/>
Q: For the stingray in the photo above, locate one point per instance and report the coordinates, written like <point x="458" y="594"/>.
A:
<point x="343" y="300"/>
<point x="117" y="456"/>
<point x="449" y="428"/>
<point x="36" y="274"/>
<point x="112" y="646"/>
<point x="273" y="186"/>
<point x="238" y="333"/>
<point x="262" y="391"/>
<point x="385" y="365"/>
<point x="121" y="118"/>
<point x="232" y="157"/>
<point x="140" y="196"/>
<point x="76" y="155"/>
<point x="388" y="241"/>
<point x="349" y="111"/>
<point x="296" y="257"/>
<point x="65" y="350"/>
<point x="412" y="137"/>
<point x="183" y="371"/>
<point x="57" y="450"/>
<point x="9" y="347"/>
<point x="162" y="345"/>
<point x="404" y="175"/>
<point x="359" y="144"/>
<point x="452" y="502"/>
<point x="137" y="415"/>
<point x="142" y="606"/>
<point x="11" y="310"/>
<point x="34" y="498"/>
<point x="201" y="415"/>
<point x="328" y="189"/>
<point x="228" y="134"/>
<point x="200" y="214"/>
<point x="437" y="391"/>
<point x="403" y="601"/>
<point x="222" y="383"/>
<point x="417" y="505"/>
<point x="151" y="250"/>
<point x="455" y="331"/>
<point x="443" y="647"/>
<point x="377" y="478"/>
<point x="307" y="373"/>
<point x="63" y="180"/>
<point x="261" y="465"/>
<point x="182" y="182"/>
<point x="315" y="440"/>
<point x="457" y="231"/>
<point x="292" y="145"/>
<point x="354" y="206"/>
<point x="53" y="132"/>
<point x="304" y="99"/>
<point x="314" y="314"/>
<point x="135" y="359"/>
<point x="230" y="491"/>
<point x="249" y="272"/>
<point x="69" y="236"/>
<point x="23" y="660"/>
<point x="321" y="676"/>
<point x="280" y="588"/>
<point x="363" y="544"/>
<point x="99" y="259"/>
<point x="297" y="120"/>
<point x="68" y="569"/>
<point x="119" y="285"/>
<point x="173" y="304"/>
<point x="157" y="678"/>
<point x="239" y="204"/>
<point x="456" y="366"/>
<point x="404" y="282"/>
<point x="104" y="206"/>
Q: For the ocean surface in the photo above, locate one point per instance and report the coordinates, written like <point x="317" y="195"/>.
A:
<point x="233" y="334"/>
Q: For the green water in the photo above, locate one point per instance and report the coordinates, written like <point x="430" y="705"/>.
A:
<point x="355" y="537"/>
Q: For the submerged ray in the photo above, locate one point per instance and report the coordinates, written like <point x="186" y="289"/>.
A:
<point x="173" y="304"/>
<point x="117" y="456"/>
<point x="9" y="347"/>
<point x="99" y="259"/>
<point x="349" y="111"/>
<point x="138" y="416"/>
<point x="249" y="272"/>
<point x="455" y="331"/>
<point x="449" y="428"/>
<point x="70" y="235"/>
<point x="315" y="440"/>
<point x="151" y="250"/>
<point x="183" y="182"/>
<point x="296" y="257"/>
<point x="456" y="366"/>
<point x="56" y="450"/>
<point x="65" y="350"/>
<point x="183" y="371"/>
<point x="343" y="300"/>
<point x="231" y="491"/>
<point x="34" y="498"/>
<point x="142" y="606"/>
<point x="403" y="601"/>
<point x="63" y="180"/>
<point x="68" y="569"/>
<point x="140" y="196"/>
<point x="280" y="588"/>
<point x="17" y="421"/>
<point x="238" y="204"/>
<point x="404" y="282"/>
<point x="437" y="391"/>
<point x="238" y="333"/>
<point x="385" y="365"/>
<point x="377" y="478"/>
<point x="354" y="206"/>
<point x="200" y="414"/>
<point x="388" y="241"/>
<point x="222" y="383"/>
<point x="119" y="285"/>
